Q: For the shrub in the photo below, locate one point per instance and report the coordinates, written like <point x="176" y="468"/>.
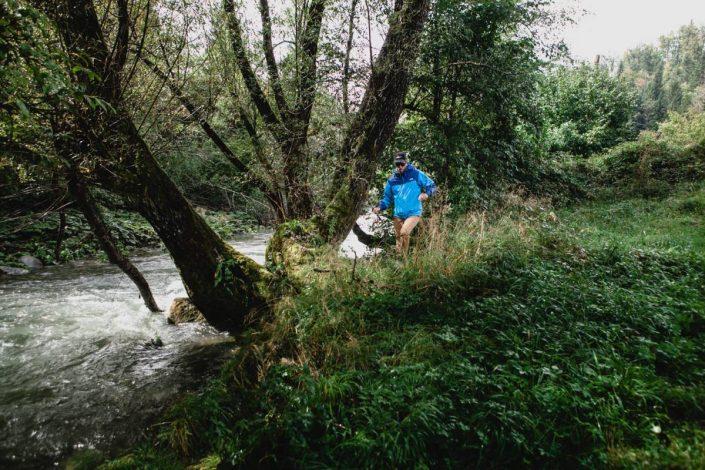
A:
<point x="672" y="155"/>
<point x="505" y="339"/>
<point x="587" y="109"/>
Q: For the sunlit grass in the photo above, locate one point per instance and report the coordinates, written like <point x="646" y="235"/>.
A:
<point x="675" y="222"/>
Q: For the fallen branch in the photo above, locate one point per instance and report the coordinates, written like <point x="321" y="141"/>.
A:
<point x="369" y="240"/>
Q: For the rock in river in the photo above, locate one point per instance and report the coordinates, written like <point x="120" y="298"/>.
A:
<point x="10" y="271"/>
<point x="31" y="262"/>
<point x="182" y="310"/>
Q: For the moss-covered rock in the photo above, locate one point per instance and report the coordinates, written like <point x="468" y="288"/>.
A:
<point x="294" y="245"/>
<point x="182" y="310"/>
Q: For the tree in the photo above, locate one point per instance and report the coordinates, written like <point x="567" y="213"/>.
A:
<point x="668" y="75"/>
<point x="589" y="110"/>
<point x="473" y="114"/>
<point x="223" y="284"/>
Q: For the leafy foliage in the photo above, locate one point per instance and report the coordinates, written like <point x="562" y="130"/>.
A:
<point x="587" y="109"/>
<point x="522" y="339"/>
<point x="674" y="154"/>
<point x="474" y="117"/>
<point x="670" y="76"/>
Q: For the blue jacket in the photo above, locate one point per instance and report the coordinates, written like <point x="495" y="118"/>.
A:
<point x="404" y="190"/>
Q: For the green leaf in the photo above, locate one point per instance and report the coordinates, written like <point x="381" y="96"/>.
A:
<point x="23" y="108"/>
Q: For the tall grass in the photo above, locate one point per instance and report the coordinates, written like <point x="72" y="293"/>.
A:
<point x="509" y="338"/>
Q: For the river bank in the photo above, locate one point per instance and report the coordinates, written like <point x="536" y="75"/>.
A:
<point x="36" y="235"/>
<point x="529" y="336"/>
<point x="79" y="365"/>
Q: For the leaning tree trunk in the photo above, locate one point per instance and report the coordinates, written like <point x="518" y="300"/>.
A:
<point x="89" y="208"/>
<point x="374" y="124"/>
<point x="223" y="284"/>
<point x="67" y="148"/>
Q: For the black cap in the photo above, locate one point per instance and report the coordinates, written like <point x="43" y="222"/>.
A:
<point x="401" y="157"/>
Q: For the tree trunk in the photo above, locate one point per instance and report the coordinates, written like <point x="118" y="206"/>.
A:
<point x="374" y="124"/>
<point x="90" y="210"/>
<point x="60" y="236"/>
<point x="223" y="284"/>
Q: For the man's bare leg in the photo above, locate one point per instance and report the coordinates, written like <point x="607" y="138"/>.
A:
<point x="404" y="232"/>
<point x="398" y="223"/>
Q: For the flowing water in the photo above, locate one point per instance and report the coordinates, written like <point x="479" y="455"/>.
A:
<point x="75" y="370"/>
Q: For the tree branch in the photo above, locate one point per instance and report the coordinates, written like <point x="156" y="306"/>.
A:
<point x="346" y="62"/>
<point x="243" y="62"/>
<point x="309" y="52"/>
<point x="271" y="61"/>
<point x="92" y="213"/>
<point x="197" y="116"/>
<point x="140" y="46"/>
<point x="370" y="240"/>
<point x="119" y="56"/>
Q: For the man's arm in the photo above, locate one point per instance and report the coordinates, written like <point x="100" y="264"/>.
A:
<point x="386" y="199"/>
<point x="427" y="184"/>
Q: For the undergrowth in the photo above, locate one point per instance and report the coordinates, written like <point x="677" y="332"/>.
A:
<point x="522" y="337"/>
<point x="36" y="234"/>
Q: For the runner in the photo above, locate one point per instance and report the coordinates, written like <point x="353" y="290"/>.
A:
<point x="407" y="189"/>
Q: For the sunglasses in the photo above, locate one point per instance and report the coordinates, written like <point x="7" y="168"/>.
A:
<point x="400" y="164"/>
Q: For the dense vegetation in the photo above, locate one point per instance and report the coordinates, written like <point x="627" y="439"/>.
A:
<point x="530" y="335"/>
<point x="587" y="110"/>
<point x="566" y="337"/>
<point x="551" y="312"/>
<point x="670" y="76"/>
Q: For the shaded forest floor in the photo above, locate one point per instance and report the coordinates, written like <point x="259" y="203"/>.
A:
<point x="36" y="234"/>
<point x="526" y="336"/>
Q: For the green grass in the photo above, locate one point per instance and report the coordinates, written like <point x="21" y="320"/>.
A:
<point x="527" y="336"/>
<point x="523" y="338"/>
<point x="675" y="222"/>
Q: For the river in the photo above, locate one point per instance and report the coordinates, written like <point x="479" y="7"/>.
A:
<point x="76" y="371"/>
<point x="75" y="368"/>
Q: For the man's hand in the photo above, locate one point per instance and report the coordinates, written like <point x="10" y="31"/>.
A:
<point x="376" y="210"/>
<point x="423" y="197"/>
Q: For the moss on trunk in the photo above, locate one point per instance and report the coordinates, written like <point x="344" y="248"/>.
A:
<point x="294" y="246"/>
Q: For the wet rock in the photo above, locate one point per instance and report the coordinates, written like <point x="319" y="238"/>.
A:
<point x="154" y="343"/>
<point x="182" y="310"/>
<point x="31" y="262"/>
<point x="10" y="271"/>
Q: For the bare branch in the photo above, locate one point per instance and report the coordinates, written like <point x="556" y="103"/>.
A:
<point x="140" y="46"/>
<point x="269" y="57"/>
<point x="197" y="116"/>
<point x="243" y="62"/>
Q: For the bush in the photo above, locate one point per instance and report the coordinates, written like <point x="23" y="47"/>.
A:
<point x="587" y="109"/>
<point x="674" y="154"/>
<point x="504" y="340"/>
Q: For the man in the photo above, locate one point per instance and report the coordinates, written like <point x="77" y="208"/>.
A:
<point x="408" y="188"/>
